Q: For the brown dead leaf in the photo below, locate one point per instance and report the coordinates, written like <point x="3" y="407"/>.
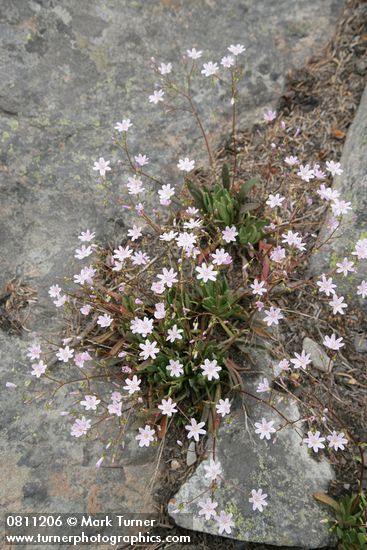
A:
<point x="338" y="134"/>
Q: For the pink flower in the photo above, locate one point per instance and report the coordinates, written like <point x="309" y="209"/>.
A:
<point x="269" y="115"/>
<point x="229" y="234"/>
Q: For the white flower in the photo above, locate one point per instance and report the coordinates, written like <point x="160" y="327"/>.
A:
<point x="305" y="172"/>
<point x="207" y="508"/>
<point x="224" y="522"/>
<point x="102" y="166"/>
<point x="275" y="200"/>
<point x="209" y="69"/>
<point x="337" y="441"/>
<point x="165" y="194"/>
<point x="54" y="291"/>
<point x="283" y="365"/>
<point x="293" y="239"/>
<point x="85" y="276"/>
<point x="229" y="234"/>
<point x="64" y="354"/>
<point x="156" y="97"/>
<point x="175" y="368"/>
<point x="38" y="369"/>
<point x="135" y="233"/>
<point x="141" y="326"/>
<point x="86" y="236"/>
<point x="134" y="186"/>
<point x="141" y="160"/>
<point x="34" y="351"/>
<point x="314" y="441"/>
<point x="213" y="470"/>
<point x="168" y="236"/>
<point x="340" y="208"/>
<point x="124" y="125"/>
<point x="132" y="385"/>
<point x="345" y="266"/>
<point x="327" y="193"/>
<point x="104" y="320"/>
<point x="145" y="436"/>
<point x="211" y="369"/>
<point x="334" y="168"/>
<point x="221" y="257"/>
<point x="278" y="254"/>
<point x="300" y="361"/>
<point x="86" y="309"/>
<point x="326" y="285"/>
<point x="223" y="407"/>
<point x="186" y="240"/>
<point x="360" y="249"/>
<point x="90" y="402"/>
<point x="236" y="49"/>
<point x="265" y="428"/>
<point x="318" y="173"/>
<point x="258" y="499"/>
<point x="160" y="312"/>
<point x="193" y="224"/>
<point x="291" y="161"/>
<point x="206" y="273"/>
<point x="174" y="334"/>
<point x="140" y="258"/>
<point x="157" y="287"/>
<point x="83" y="252"/>
<point x="258" y="288"/>
<point x="165" y="68"/>
<point x="227" y="61"/>
<point x="149" y="349"/>
<point x="80" y="427"/>
<point x="362" y="289"/>
<point x="332" y="342"/>
<point x="273" y="316"/>
<point x="186" y="165"/>
<point x="338" y="304"/>
<point x="115" y="408"/>
<point x="263" y="386"/>
<point x="121" y="254"/>
<point x="168" y="277"/>
<point x="61" y="300"/>
<point x="195" y="429"/>
<point x="194" y="53"/>
<point x="269" y="115"/>
<point x="168" y="407"/>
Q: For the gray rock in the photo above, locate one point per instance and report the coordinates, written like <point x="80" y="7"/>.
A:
<point x="352" y="184"/>
<point x="191" y="456"/>
<point x="70" y="70"/>
<point x="360" y="343"/>
<point x="284" y="468"/>
<point x="319" y="357"/>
